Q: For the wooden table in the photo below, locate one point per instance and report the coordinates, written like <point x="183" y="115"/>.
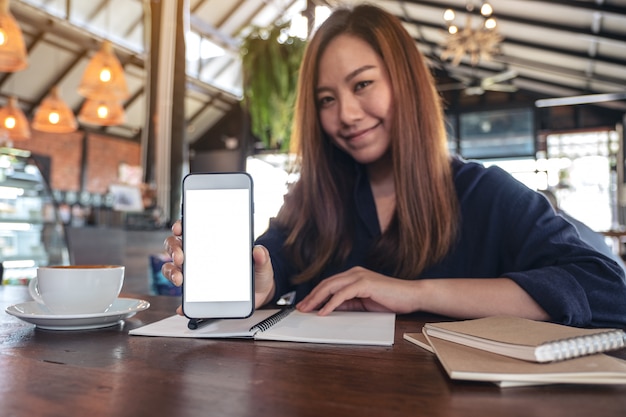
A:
<point x="108" y="373"/>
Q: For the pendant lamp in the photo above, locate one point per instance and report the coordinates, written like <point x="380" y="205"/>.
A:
<point x="54" y="116"/>
<point x="13" y="121"/>
<point x="102" y="113"/>
<point x="103" y="78"/>
<point x="12" y="50"/>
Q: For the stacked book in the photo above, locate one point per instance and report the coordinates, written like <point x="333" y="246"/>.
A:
<point x="512" y="351"/>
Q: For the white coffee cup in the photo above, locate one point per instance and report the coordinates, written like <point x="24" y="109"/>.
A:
<point x="77" y="289"/>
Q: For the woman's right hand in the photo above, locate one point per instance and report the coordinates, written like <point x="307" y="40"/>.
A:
<point x="264" y="287"/>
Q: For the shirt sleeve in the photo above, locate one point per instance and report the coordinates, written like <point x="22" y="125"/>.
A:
<point x="543" y="253"/>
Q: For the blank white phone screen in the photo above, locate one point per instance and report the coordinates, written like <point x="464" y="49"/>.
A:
<point x="217" y="245"/>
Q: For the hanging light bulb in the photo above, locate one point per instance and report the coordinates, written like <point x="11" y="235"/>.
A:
<point x="12" y="49"/>
<point x="13" y="121"/>
<point x="490" y="23"/>
<point x="102" y="113"/>
<point x="105" y="75"/>
<point x="103" y="78"/>
<point x="54" y="115"/>
<point x="486" y="10"/>
<point x="449" y="16"/>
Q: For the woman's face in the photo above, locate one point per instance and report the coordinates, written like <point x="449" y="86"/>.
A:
<point x="354" y="98"/>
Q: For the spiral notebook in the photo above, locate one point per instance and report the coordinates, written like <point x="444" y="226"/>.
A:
<point x="529" y="340"/>
<point x="289" y="325"/>
<point x="468" y="364"/>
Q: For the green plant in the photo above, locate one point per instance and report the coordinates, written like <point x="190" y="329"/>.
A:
<point x="270" y="62"/>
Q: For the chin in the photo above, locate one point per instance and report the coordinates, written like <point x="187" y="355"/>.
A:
<point x="364" y="155"/>
<point x="368" y="156"/>
<point x="366" y="160"/>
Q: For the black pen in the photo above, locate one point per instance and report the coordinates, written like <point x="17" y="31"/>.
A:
<point x="195" y="324"/>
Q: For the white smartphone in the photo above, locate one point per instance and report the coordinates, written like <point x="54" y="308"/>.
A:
<point x="217" y="213"/>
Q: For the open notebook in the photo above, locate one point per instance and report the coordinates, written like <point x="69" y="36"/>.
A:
<point x="339" y="327"/>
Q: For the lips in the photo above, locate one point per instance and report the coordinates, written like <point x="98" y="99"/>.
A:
<point x="352" y="136"/>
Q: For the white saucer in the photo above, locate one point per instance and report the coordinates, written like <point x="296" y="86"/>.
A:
<point x="34" y="313"/>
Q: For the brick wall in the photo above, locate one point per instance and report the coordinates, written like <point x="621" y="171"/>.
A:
<point x="65" y="154"/>
<point x="104" y="155"/>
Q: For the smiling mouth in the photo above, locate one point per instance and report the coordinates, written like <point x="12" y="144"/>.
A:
<point x="351" y="136"/>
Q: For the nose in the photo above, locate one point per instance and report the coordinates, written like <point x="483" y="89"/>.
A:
<point x="350" y="109"/>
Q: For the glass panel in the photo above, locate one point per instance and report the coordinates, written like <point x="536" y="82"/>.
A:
<point x="451" y="135"/>
<point x="125" y="29"/>
<point x="524" y="170"/>
<point x="223" y="72"/>
<point x="55" y="8"/>
<point x="31" y="233"/>
<point x="192" y="52"/>
<point x="579" y="171"/>
<point x="270" y="175"/>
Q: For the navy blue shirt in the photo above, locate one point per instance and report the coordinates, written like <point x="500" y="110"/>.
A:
<point x="506" y="230"/>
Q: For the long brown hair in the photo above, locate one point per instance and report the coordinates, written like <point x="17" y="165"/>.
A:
<point x="318" y="212"/>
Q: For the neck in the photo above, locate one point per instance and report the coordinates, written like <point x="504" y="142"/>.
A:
<point x="380" y="172"/>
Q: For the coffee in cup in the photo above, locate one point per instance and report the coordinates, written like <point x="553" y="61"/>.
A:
<point x="77" y="289"/>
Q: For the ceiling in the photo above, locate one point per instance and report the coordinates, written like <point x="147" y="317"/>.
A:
<point x="553" y="48"/>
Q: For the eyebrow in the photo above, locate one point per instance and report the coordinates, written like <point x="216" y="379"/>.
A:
<point x="350" y="76"/>
<point x="358" y="71"/>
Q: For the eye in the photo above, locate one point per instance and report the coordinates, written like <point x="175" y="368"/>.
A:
<point x="361" y="84"/>
<point x="324" y="101"/>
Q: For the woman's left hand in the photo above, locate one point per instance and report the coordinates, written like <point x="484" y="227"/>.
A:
<point x="361" y="289"/>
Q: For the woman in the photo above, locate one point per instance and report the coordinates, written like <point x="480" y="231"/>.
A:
<point x="382" y="218"/>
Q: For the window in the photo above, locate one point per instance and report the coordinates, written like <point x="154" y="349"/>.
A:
<point x="497" y="134"/>
<point x="579" y="168"/>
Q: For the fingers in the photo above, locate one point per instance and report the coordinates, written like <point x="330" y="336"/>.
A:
<point x="330" y="293"/>
<point x="174" y="244"/>
<point x="333" y="302"/>
<point x="174" y="247"/>
<point x="172" y="270"/>
<point x="354" y="289"/>
<point x="264" y="286"/>
<point x="172" y="273"/>
<point x="261" y="256"/>
<point x="177" y="228"/>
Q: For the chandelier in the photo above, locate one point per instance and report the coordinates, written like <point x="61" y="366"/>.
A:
<point x="54" y="115"/>
<point x="13" y="122"/>
<point x="104" y="87"/>
<point x="102" y="112"/>
<point x="104" y="77"/>
<point x="12" y="49"/>
<point x="478" y="40"/>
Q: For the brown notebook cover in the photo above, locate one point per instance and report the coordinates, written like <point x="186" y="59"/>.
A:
<point x="528" y="339"/>
<point x="465" y="363"/>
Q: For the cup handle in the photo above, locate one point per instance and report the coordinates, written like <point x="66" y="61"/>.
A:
<point x="34" y="291"/>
